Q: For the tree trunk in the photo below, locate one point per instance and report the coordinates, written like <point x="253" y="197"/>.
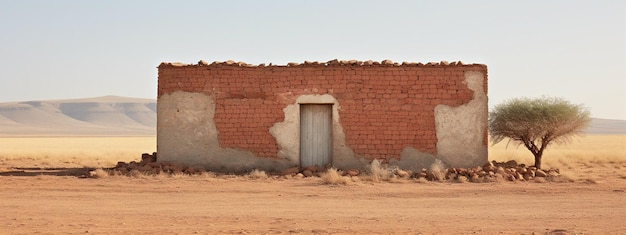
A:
<point x="538" y="161"/>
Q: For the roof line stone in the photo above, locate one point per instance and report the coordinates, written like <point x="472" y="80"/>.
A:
<point x="335" y="62"/>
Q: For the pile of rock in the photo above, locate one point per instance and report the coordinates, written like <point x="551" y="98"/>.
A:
<point x="305" y="171"/>
<point x="335" y="62"/>
<point x="495" y="171"/>
<point x="149" y="166"/>
<point x="490" y="172"/>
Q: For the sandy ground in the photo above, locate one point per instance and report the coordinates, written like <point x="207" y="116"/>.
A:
<point x="45" y="201"/>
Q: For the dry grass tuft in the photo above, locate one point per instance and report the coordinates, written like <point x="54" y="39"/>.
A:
<point x="99" y="173"/>
<point x="462" y="179"/>
<point x="438" y="170"/>
<point x="395" y="179"/>
<point x="332" y="176"/>
<point x="378" y="172"/>
<point x="137" y="174"/>
<point x="257" y="174"/>
<point x="178" y="175"/>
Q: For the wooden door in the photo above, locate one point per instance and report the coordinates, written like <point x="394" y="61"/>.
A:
<point x="316" y="128"/>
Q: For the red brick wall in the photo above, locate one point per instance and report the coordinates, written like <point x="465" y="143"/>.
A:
<point x="383" y="108"/>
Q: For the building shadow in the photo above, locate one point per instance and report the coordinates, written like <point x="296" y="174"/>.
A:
<point x="81" y="172"/>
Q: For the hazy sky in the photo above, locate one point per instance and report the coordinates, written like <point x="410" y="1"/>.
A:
<point x="76" y="49"/>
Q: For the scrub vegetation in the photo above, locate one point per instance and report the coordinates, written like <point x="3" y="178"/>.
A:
<point x="537" y="123"/>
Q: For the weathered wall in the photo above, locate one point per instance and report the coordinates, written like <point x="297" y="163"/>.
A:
<point x="234" y="116"/>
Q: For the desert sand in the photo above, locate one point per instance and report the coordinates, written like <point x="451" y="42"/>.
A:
<point x="239" y="205"/>
<point x="38" y="196"/>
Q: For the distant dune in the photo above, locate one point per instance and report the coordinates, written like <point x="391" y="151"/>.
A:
<point x="122" y="116"/>
<point x="108" y="115"/>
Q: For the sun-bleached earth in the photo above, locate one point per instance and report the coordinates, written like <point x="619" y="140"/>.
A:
<point x="590" y="201"/>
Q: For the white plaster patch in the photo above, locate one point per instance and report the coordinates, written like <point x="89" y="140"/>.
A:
<point x="460" y="129"/>
<point x="186" y="134"/>
<point x="287" y="133"/>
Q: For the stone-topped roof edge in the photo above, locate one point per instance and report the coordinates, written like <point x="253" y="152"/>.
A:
<point x="334" y="62"/>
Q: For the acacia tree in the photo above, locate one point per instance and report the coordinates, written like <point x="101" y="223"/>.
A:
<point x="537" y="122"/>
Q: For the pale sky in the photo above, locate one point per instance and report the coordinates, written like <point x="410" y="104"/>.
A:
<point x="78" y="49"/>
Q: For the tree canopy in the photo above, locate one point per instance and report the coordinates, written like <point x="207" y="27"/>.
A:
<point x="537" y="122"/>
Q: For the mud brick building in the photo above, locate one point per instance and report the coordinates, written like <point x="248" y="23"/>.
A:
<point x="232" y="116"/>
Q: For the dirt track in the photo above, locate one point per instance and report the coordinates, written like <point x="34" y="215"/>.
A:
<point x="201" y="204"/>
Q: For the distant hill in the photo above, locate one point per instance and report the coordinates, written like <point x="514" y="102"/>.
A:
<point x="606" y="126"/>
<point x="108" y="115"/>
<point x="119" y="116"/>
